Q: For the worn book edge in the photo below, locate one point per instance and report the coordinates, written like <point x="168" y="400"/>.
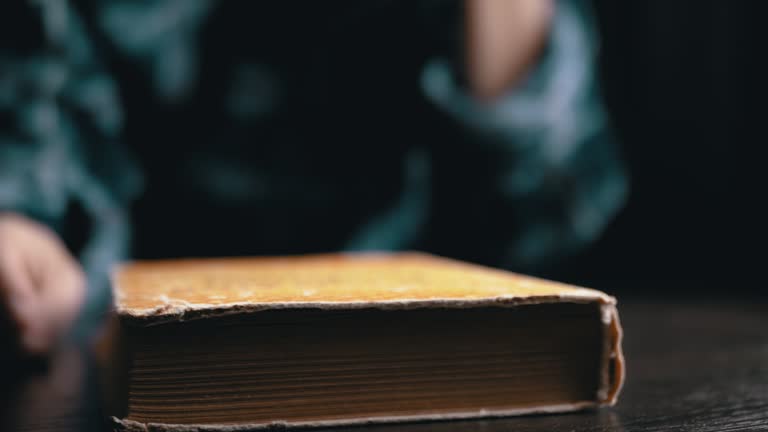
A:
<point x="612" y="381"/>
<point x="171" y="309"/>
<point x="134" y="426"/>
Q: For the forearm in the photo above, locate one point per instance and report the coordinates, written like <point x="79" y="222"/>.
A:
<point x="502" y="41"/>
<point x="555" y="163"/>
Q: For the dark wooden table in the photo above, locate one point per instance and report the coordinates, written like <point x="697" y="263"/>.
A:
<point x="691" y="366"/>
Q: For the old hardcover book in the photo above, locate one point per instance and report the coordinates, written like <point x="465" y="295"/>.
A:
<point x="249" y="343"/>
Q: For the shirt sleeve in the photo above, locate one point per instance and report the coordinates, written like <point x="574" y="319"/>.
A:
<point x="560" y="173"/>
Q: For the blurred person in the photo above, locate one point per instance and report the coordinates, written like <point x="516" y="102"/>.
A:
<point x="175" y="128"/>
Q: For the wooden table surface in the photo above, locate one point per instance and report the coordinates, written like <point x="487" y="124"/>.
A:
<point x="691" y="366"/>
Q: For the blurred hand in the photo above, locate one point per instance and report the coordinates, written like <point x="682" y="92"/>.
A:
<point x="41" y="285"/>
<point x="503" y="40"/>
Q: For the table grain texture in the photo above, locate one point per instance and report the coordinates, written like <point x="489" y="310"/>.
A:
<point x="692" y="366"/>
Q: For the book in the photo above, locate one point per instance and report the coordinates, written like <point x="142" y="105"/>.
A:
<point x="341" y="339"/>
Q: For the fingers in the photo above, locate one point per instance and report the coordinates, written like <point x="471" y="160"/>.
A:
<point x="41" y="286"/>
<point x="61" y="295"/>
<point x="20" y="299"/>
<point x="45" y="316"/>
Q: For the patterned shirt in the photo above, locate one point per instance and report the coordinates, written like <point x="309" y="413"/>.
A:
<point x="194" y="127"/>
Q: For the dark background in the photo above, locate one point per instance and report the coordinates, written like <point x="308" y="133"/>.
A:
<point x="684" y="83"/>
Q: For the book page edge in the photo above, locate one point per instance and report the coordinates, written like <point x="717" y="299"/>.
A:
<point x="123" y="425"/>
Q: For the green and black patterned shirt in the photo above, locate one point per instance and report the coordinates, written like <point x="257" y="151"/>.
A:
<point x="195" y="127"/>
